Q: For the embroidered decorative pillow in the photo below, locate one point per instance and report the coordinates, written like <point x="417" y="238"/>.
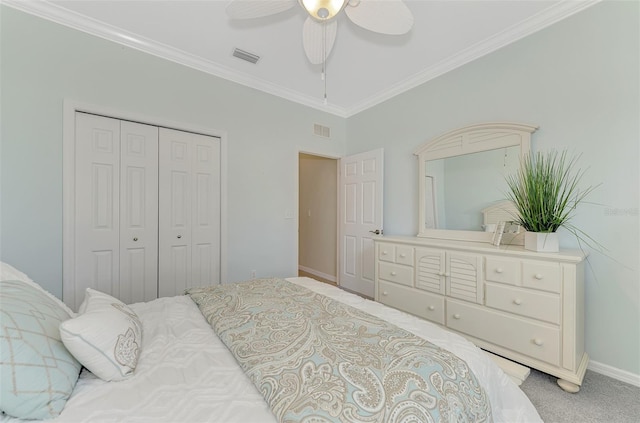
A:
<point x="105" y="336"/>
<point x="37" y="373"/>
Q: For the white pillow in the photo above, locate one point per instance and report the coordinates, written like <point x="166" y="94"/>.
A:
<point x="105" y="337"/>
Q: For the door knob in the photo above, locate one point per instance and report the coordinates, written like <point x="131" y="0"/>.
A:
<point x="179" y="236"/>
<point x="376" y="232"/>
<point x="135" y="238"/>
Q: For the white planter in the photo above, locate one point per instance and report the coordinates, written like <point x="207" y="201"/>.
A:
<point x="541" y="241"/>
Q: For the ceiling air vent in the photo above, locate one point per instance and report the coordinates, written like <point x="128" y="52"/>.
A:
<point x="321" y="131"/>
<point x="245" y="55"/>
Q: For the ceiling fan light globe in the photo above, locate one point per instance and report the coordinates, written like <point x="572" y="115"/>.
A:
<point x="323" y="10"/>
<point x="323" y="13"/>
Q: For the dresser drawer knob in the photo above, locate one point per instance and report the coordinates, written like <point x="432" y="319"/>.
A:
<point x="499" y="270"/>
<point x="403" y="255"/>
<point x="393" y="273"/>
<point x="385" y="293"/>
<point x="457" y="316"/>
<point x="517" y="301"/>
<point x="431" y="308"/>
<point x="383" y="252"/>
<point x="538" y="276"/>
<point x="538" y="342"/>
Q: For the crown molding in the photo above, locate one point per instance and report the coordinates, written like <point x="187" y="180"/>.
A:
<point x="60" y="15"/>
<point x="68" y="18"/>
<point x="547" y="17"/>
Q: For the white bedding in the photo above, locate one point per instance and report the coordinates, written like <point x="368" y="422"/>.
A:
<point x="186" y="374"/>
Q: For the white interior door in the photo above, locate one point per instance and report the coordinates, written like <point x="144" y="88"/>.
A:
<point x="205" y="215"/>
<point x="97" y="209"/>
<point x="116" y="221"/>
<point x="138" y="212"/>
<point x="189" y="211"/>
<point x="361" y="203"/>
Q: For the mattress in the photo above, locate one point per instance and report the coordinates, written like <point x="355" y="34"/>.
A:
<point x="186" y="374"/>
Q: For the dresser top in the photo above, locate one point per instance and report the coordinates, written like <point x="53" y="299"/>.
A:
<point x="574" y="256"/>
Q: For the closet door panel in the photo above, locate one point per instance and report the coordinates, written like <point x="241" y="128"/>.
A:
<point x="138" y="212"/>
<point x="206" y="211"/>
<point x="175" y="211"/>
<point x="97" y="217"/>
<point x="189" y="221"/>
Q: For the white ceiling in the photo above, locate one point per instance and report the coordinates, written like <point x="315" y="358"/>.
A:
<point x="364" y="68"/>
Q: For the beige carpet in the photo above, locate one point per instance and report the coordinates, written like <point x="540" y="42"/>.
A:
<point x="601" y="400"/>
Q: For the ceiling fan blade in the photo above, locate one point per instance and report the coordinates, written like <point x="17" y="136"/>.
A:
<point x="249" y="9"/>
<point x="391" y="17"/>
<point x="318" y="39"/>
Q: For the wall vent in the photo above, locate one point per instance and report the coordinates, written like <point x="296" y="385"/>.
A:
<point x="321" y="131"/>
<point x="245" y="55"/>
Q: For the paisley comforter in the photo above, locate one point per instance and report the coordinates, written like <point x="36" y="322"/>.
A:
<point x="318" y="360"/>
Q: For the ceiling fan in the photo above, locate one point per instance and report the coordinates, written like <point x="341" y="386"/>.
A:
<point x="391" y="17"/>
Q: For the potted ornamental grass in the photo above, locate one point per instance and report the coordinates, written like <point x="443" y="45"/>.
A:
<point x="546" y="191"/>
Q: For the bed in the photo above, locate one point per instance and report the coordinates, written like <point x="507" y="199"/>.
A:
<point x="185" y="373"/>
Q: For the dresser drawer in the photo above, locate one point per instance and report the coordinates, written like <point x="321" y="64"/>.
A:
<point x="396" y="273"/>
<point x="387" y="252"/>
<point x="502" y="270"/>
<point x="525" y="302"/>
<point x="400" y="254"/>
<point x="543" y="276"/>
<point x="421" y="304"/>
<point x="404" y="255"/>
<point x="536" y="340"/>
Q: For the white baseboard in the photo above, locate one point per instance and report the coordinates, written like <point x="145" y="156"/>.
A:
<point x="318" y="274"/>
<point x="615" y="373"/>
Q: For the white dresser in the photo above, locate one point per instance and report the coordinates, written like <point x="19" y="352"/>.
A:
<point x="522" y="305"/>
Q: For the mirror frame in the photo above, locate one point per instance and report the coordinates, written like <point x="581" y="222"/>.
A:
<point x="466" y="140"/>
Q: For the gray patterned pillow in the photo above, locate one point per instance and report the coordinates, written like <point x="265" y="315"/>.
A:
<point x="37" y="373"/>
<point x="105" y="336"/>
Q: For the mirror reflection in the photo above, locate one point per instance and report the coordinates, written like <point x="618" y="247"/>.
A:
<point x="458" y="188"/>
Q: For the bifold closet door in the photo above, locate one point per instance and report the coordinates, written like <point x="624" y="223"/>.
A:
<point x="116" y="214"/>
<point x="189" y="211"/>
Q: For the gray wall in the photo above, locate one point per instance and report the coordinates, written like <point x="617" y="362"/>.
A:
<point x="44" y="63"/>
<point x="577" y="80"/>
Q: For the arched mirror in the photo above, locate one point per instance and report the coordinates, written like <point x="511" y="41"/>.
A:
<point x="462" y="185"/>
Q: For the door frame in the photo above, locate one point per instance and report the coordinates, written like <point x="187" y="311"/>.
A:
<point x="297" y="201"/>
<point x="70" y="107"/>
